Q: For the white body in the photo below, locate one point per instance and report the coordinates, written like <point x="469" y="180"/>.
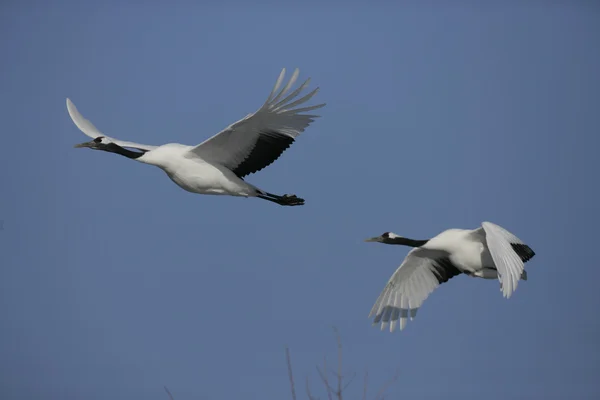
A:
<point x="467" y="250"/>
<point x="217" y="165"/>
<point x="196" y="175"/>
<point x="485" y="252"/>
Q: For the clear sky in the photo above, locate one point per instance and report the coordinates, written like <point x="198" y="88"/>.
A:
<point x="114" y="282"/>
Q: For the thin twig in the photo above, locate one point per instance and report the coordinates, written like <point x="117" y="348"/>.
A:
<point x="339" y="373"/>
<point x="310" y="396"/>
<point x="366" y="384"/>
<point x="290" y="374"/>
<point x="323" y="374"/>
<point x="387" y="385"/>
<point x="349" y="381"/>
<point x="325" y="380"/>
<point x="169" y="393"/>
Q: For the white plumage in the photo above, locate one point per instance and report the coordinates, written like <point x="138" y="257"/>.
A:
<point x="488" y="252"/>
<point x="218" y="165"/>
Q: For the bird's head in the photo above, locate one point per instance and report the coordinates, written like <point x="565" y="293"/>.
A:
<point x="104" y="144"/>
<point x="100" y="143"/>
<point x="386" y="237"/>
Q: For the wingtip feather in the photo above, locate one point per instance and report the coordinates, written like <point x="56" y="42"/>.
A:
<point x="286" y="87"/>
<point x="73" y="113"/>
<point x="70" y="105"/>
<point x="279" y="80"/>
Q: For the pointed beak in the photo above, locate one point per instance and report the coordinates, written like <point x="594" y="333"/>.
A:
<point x="374" y="239"/>
<point x="91" y="144"/>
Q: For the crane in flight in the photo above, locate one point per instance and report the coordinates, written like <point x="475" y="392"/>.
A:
<point x="487" y="252"/>
<point x="218" y="165"/>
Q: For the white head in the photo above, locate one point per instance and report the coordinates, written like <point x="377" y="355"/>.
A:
<point x="392" y="238"/>
<point x="99" y="143"/>
<point x="385" y="237"/>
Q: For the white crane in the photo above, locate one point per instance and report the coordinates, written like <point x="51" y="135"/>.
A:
<point x="218" y="165"/>
<point x="488" y="252"/>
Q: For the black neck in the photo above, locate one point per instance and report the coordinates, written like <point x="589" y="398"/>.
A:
<point x="113" y="148"/>
<point x="405" y="241"/>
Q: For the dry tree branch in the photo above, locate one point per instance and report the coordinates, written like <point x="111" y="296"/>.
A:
<point x="339" y="373"/>
<point x="349" y="381"/>
<point x="290" y="374"/>
<point x="169" y="393"/>
<point x="310" y="396"/>
<point x="366" y="384"/>
<point x="341" y="387"/>
<point x="387" y="385"/>
<point x="323" y="376"/>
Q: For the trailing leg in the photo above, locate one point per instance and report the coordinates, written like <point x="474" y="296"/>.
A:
<point x="285" y="200"/>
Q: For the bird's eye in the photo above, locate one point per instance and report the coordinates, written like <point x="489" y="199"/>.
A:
<point x="98" y="139"/>
<point x="386" y="235"/>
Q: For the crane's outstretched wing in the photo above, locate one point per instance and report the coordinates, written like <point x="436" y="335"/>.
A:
<point x="509" y="254"/>
<point x="90" y="130"/>
<point x="257" y="140"/>
<point x="420" y="273"/>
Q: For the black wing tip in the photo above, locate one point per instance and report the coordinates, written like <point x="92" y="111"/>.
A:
<point x="268" y="148"/>
<point x="525" y="252"/>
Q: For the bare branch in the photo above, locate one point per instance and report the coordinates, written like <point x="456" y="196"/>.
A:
<point x="366" y="384"/>
<point x="325" y="380"/>
<point x="337" y="392"/>
<point x="290" y="374"/>
<point x="387" y="385"/>
<point x="310" y="396"/>
<point x="169" y="393"/>
<point x="339" y="373"/>
<point x="350" y="381"/>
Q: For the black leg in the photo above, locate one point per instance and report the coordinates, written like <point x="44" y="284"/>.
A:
<point x="285" y="200"/>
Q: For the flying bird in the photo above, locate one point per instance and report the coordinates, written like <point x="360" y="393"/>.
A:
<point x="488" y="252"/>
<point x="218" y="165"/>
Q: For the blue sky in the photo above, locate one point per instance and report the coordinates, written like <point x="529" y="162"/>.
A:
<point x="114" y="282"/>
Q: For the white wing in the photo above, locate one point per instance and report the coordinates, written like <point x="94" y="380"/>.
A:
<point x="508" y="263"/>
<point x="420" y="273"/>
<point x="89" y="129"/>
<point x="257" y="140"/>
